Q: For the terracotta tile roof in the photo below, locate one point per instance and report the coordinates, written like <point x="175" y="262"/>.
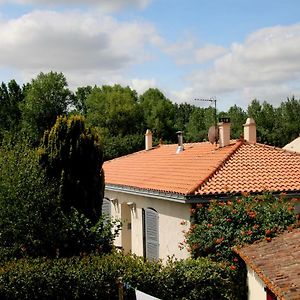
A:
<point x="205" y="169"/>
<point x="162" y="169"/>
<point x="277" y="263"/>
<point x="256" y="168"/>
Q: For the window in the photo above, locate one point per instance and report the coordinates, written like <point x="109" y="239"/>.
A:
<point x="150" y="233"/>
<point x="106" y="207"/>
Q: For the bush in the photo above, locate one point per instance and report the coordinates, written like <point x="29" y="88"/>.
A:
<point x="96" y="277"/>
<point x="221" y="225"/>
<point x="32" y="221"/>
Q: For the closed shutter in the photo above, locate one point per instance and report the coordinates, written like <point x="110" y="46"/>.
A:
<point x="106" y="207"/>
<point x="151" y="234"/>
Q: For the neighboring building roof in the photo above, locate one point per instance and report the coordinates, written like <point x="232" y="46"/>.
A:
<point x="203" y="169"/>
<point x="293" y="145"/>
<point x="277" y="263"/>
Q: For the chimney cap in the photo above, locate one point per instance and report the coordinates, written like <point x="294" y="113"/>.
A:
<point x="250" y="121"/>
<point x="224" y="120"/>
<point x="148" y="132"/>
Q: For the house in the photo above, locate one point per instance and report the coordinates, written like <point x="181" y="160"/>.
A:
<point x="293" y="145"/>
<point x="273" y="268"/>
<point x="153" y="190"/>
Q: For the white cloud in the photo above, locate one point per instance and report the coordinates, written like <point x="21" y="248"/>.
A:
<point x="106" y="5"/>
<point x="209" y="52"/>
<point x="187" y="51"/>
<point x="141" y="85"/>
<point x="87" y="47"/>
<point x="266" y="66"/>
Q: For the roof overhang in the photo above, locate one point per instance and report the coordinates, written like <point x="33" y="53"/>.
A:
<point x="175" y="197"/>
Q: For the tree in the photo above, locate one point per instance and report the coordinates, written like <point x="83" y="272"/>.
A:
<point x="46" y="97"/>
<point x="80" y="97"/>
<point x="114" y="108"/>
<point x="158" y="112"/>
<point x="72" y="155"/>
<point x="237" y="118"/>
<point x="11" y="96"/>
<point x="32" y="219"/>
<point x="182" y="116"/>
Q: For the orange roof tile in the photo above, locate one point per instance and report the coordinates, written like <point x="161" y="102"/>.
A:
<point x="277" y="263"/>
<point x="205" y="169"/>
<point x="256" y="168"/>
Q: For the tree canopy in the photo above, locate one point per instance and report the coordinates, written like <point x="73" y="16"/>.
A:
<point x="46" y="97"/>
<point x="71" y="153"/>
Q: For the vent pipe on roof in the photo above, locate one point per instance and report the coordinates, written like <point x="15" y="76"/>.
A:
<point x="180" y="147"/>
<point x="250" y="131"/>
<point x="148" y="140"/>
<point x="224" y="131"/>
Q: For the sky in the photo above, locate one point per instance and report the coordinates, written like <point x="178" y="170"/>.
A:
<point x="231" y="50"/>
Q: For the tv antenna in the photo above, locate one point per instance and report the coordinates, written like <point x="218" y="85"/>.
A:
<point x="213" y="133"/>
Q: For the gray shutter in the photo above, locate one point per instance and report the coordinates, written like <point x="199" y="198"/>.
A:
<point x="106" y="207"/>
<point x="151" y="232"/>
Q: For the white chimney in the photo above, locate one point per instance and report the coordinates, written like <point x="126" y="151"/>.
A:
<point x="250" y="131"/>
<point x="148" y="140"/>
<point x="224" y="132"/>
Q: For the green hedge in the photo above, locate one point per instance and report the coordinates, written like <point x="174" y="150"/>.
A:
<point x="95" y="277"/>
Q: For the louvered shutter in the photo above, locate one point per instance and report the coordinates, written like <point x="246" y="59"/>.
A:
<point x="151" y="234"/>
<point x="106" y="207"/>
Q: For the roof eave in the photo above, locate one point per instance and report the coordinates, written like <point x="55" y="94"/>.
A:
<point x="175" y="197"/>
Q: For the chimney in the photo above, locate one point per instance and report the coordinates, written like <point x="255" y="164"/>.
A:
<point x="250" y="131"/>
<point x="224" y="131"/>
<point x="180" y="147"/>
<point x="148" y="140"/>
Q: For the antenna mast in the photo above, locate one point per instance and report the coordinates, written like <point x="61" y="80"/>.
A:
<point x="212" y="100"/>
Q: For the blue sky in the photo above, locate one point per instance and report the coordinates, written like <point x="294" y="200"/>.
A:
<point x="232" y="50"/>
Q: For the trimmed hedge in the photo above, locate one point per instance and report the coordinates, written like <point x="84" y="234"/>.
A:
<point x="95" y="277"/>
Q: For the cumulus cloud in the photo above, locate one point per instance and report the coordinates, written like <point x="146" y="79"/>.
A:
<point x="266" y="66"/>
<point x="86" y="46"/>
<point x="187" y="50"/>
<point x="141" y="85"/>
<point x="107" y="5"/>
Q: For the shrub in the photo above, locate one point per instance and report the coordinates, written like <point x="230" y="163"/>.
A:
<point x="96" y="277"/>
<point x="32" y="221"/>
<point x="219" y="226"/>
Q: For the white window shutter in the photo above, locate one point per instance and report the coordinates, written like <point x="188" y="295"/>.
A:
<point x="106" y="207"/>
<point x="151" y="234"/>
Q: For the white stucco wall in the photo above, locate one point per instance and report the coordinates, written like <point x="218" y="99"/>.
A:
<point x="171" y="215"/>
<point x="256" y="287"/>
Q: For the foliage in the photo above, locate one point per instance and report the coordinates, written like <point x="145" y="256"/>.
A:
<point x="158" y="113"/>
<point x="47" y="97"/>
<point x="221" y="225"/>
<point x="116" y="146"/>
<point x="32" y="222"/>
<point x="72" y="155"/>
<point x="96" y="277"/>
<point x="11" y="96"/>
<point x="113" y="108"/>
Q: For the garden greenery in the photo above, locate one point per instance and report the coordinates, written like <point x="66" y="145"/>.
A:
<point x="32" y="220"/>
<point x="219" y="226"/>
<point x="97" y="277"/>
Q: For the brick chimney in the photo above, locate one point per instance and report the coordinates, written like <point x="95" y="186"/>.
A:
<point x="250" y="131"/>
<point x="224" y="132"/>
<point x="148" y="140"/>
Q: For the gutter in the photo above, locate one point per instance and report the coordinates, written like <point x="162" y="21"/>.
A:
<point x="190" y="199"/>
<point x="148" y="193"/>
